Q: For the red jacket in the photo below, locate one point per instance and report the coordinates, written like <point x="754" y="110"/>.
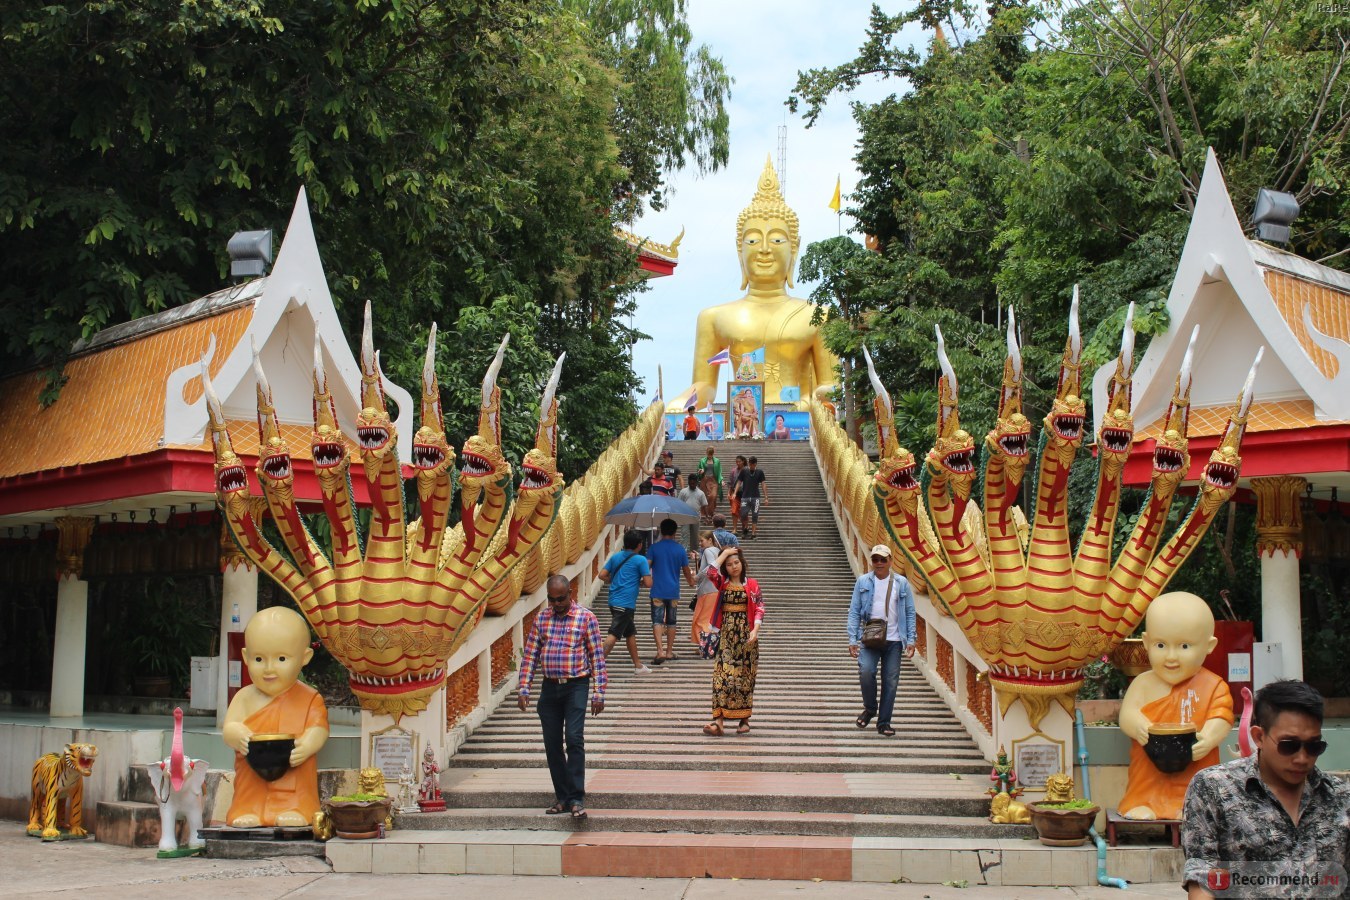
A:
<point x="754" y="608"/>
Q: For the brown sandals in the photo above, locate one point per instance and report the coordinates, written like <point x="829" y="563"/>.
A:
<point x="713" y="729"/>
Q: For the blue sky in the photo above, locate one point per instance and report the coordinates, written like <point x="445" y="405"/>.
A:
<point x="763" y="47"/>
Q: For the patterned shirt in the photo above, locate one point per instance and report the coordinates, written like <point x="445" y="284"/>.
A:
<point x="1232" y="817"/>
<point x="564" y="647"/>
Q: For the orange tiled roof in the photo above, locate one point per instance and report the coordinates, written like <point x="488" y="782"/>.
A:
<point x="112" y="404"/>
<point x="1279" y="415"/>
<point x="1330" y="309"/>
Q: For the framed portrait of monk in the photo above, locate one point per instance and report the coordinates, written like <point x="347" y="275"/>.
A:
<point x="745" y="408"/>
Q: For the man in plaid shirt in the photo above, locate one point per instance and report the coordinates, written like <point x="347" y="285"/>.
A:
<point x="564" y="644"/>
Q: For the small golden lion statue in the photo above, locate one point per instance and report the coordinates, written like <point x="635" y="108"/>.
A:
<point x="371" y="781"/>
<point x="1059" y="788"/>
<point x="1004" y="810"/>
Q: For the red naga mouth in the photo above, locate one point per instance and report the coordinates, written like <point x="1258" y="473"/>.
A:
<point x="326" y="454"/>
<point x="1014" y="444"/>
<point x="903" y="479"/>
<point x="473" y="464"/>
<point x="533" y="478"/>
<point x="404" y="684"/>
<point x="1221" y="475"/>
<point x="277" y="466"/>
<point x="1166" y="460"/>
<point x="231" y="480"/>
<point x="372" y="437"/>
<point x="1068" y="427"/>
<point x="427" y="456"/>
<point x="960" y="462"/>
<point x="1116" y="440"/>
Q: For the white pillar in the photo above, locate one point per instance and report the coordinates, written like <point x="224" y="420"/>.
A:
<point x="1281" y="614"/>
<point x="72" y="616"/>
<point x="238" y="587"/>
<point x="1279" y="544"/>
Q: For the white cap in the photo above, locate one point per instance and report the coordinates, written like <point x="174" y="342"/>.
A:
<point x="881" y="550"/>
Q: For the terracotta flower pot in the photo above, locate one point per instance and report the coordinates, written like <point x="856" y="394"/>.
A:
<point x="357" y="819"/>
<point x="1062" y="827"/>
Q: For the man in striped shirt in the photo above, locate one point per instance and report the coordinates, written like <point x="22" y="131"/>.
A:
<point x="564" y="645"/>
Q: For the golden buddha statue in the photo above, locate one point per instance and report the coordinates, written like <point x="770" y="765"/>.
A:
<point x="794" y="353"/>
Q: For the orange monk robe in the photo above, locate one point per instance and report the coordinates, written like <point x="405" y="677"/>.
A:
<point x="293" y="712"/>
<point x="1204" y="697"/>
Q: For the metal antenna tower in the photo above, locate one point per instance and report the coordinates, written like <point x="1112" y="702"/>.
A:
<point x="782" y="159"/>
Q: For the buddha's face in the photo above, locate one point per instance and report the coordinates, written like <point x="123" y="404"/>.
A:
<point x="1179" y="635"/>
<point x="277" y="648"/>
<point x="766" y="252"/>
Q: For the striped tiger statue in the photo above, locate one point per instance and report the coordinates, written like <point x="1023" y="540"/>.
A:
<point x="58" y="792"/>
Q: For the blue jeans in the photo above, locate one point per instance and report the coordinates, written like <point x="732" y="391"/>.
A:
<point x="562" y="711"/>
<point x="889" y="661"/>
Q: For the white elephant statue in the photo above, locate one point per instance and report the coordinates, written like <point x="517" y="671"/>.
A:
<point x="178" y="781"/>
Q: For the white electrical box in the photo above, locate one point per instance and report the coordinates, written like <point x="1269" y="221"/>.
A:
<point x="1267" y="663"/>
<point x="203" y="685"/>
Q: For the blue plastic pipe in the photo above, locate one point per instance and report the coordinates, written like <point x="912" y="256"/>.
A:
<point x="1102" y="877"/>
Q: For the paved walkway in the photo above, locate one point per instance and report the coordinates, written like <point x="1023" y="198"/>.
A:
<point x="86" y="869"/>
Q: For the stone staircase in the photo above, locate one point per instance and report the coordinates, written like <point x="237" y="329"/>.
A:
<point x="805" y="795"/>
<point x="804" y="769"/>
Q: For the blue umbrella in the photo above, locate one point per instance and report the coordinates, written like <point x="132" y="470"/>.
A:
<point x="647" y="511"/>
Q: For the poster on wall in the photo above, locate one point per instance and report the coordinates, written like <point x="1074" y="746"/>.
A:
<point x="711" y="426"/>
<point x="745" y="408"/>
<point x="787" y="425"/>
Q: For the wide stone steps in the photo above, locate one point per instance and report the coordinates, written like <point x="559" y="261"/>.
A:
<point x="804" y="768"/>
<point x="763" y="761"/>
<point x="704" y="821"/>
<point x="880" y="793"/>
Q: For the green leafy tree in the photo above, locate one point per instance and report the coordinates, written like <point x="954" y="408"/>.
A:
<point x="836" y="266"/>
<point x="459" y="155"/>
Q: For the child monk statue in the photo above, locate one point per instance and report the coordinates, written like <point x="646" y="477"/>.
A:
<point x="276" y="648"/>
<point x="1178" y="690"/>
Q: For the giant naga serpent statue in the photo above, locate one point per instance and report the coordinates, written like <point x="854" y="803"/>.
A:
<point x="394" y="608"/>
<point x="1036" y="609"/>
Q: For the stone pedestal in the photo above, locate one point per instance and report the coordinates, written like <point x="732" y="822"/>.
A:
<point x="1279" y="544"/>
<point x="1036" y="751"/>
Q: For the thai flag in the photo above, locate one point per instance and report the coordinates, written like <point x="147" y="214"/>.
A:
<point x="719" y="359"/>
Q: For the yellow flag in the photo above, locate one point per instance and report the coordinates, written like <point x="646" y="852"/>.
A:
<point x="834" y="201"/>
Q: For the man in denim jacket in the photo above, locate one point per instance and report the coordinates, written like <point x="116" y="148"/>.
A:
<point x="869" y="602"/>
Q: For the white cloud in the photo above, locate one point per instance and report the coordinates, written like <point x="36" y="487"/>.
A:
<point x="763" y="47"/>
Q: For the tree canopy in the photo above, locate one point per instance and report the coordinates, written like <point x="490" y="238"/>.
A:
<point x="1043" y="144"/>
<point x="466" y="159"/>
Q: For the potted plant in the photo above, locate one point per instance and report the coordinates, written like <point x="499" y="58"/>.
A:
<point x="1063" y="824"/>
<point x="1059" y="819"/>
<point x="357" y="816"/>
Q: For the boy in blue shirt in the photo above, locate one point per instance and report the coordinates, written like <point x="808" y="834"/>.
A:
<point x="624" y="572"/>
<point x="669" y="558"/>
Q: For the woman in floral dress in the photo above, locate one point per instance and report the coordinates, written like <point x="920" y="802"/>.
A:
<point x="738" y="612"/>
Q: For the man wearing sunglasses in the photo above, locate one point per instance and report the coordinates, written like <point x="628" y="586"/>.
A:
<point x="564" y="646"/>
<point x="1271" y="815"/>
